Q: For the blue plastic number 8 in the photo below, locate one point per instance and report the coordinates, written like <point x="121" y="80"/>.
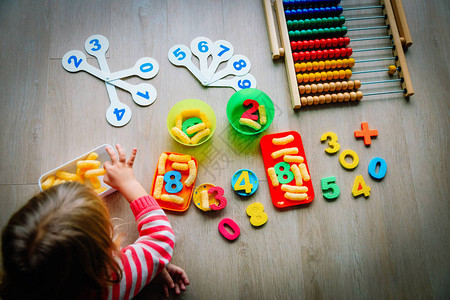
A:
<point x="172" y="179"/>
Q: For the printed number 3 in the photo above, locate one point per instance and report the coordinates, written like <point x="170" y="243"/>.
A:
<point x="178" y="53"/>
<point x="96" y="43"/>
<point x="334" y="145"/>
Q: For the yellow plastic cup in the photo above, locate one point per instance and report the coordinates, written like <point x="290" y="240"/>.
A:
<point x="191" y="104"/>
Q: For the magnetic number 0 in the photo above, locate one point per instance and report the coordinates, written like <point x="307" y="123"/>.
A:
<point x="285" y="175"/>
<point x="172" y="179"/>
<point x="238" y="65"/>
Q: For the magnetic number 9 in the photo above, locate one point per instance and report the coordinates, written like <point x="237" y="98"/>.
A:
<point x="203" y="46"/>
<point x="334" y="145"/>
<point x="244" y="84"/>
<point x="172" y="179"/>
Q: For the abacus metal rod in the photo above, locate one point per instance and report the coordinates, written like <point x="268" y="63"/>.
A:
<point x="387" y="92"/>
<point x="363" y="7"/>
<point x="371" y="38"/>
<point x="369" y="28"/>
<point x="375" y="59"/>
<point x="373" y="49"/>
<point x="364" y="18"/>
<point x="371" y="71"/>
<point x="382" y="81"/>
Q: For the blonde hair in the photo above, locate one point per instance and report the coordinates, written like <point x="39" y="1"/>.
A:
<point x="59" y="246"/>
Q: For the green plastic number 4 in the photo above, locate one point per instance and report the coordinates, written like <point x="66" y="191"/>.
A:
<point x="329" y="183"/>
<point x="247" y="186"/>
<point x="360" y="187"/>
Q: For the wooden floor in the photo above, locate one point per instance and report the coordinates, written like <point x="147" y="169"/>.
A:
<point x="394" y="244"/>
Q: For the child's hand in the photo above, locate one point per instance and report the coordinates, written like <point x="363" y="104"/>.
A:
<point x="173" y="277"/>
<point x="120" y="175"/>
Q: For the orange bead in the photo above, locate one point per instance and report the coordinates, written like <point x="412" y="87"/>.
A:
<point x="338" y="86"/>
<point x="392" y="69"/>
<point x="329" y="75"/>
<point x="301" y="89"/>
<point x="299" y="78"/>
<point x="304" y="101"/>
<point x="324" y="76"/>
<point x="352" y="96"/>
<point x="342" y="74"/>
<point x="335" y="75"/>
<point x="340" y="97"/>
<point x="332" y="86"/>
<point x="297" y="67"/>
<point x="308" y="88"/>
<point x="313" y="88"/>
<point x="326" y="87"/>
<point x="348" y="73"/>
<point x="351" y="62"/>
<point x="315" y="65"/>
<point x="334" y="97"/>
<point x="310" y="100"/>
<point x="327" y="98"/>
<point x="316" y="100"/>
<point x="321" y="99"/>
<point x="320" y="88"/>
<point x="303" y="67"/>
<point x="346" y="97"/>
<point x="339" y="63"/>
<point x="344" y="85"/>
<point x="327" y="64"/>
<point x="309" y="66"/>
<point x="333" y="64"/>
<point x="351" y="84"/>
<point x="359" y="95"/>
<point x="357" y="84"/>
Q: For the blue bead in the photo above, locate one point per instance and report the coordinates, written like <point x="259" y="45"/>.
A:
<point x="287" y="13"/>
<point x="327" y="11"/>
<point x="316" y="12"/>
<point x="339" y="10"/>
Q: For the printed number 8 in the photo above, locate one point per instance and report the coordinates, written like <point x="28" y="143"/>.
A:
<point x="238" y="65"/>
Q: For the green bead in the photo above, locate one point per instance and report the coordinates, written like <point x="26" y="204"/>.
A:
<point x="301" y="24"/>
<point x="332" y="31"/>
<point x="338" y="31"/>
<point x="324" y="22"/>
<point x="335" y="21"/>
<point x="341" y="20"/>
<point x="313" y="23"/>
<point x="326" y="31"/>
<point x="289" y="24"/>
<point x="297" y="34"/>
<point x="344" y="30"/>
<point x="291" y="34"/>
<point x="307" y="23"/>
<point x="295" y="24"/>
<point x="319" y="22"/>
<point x="320" y="31"/>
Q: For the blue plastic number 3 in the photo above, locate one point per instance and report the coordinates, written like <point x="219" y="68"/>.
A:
<point x="173" y="184"/>
<point x="96" y="43"/>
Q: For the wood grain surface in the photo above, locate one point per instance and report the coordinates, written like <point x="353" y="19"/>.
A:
<point x="393" y="244"/>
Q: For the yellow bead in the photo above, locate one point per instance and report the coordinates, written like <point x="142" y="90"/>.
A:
<point x="329" y="75"/>
<point x="348" y="73"/>
<point x="327" y="64"/>
<point x="335" y="75"/>
<point x="303" y="67"/>
<point x="297" y="67"/>
<point x="342" y="74"/>
<point x="318" y="76"/>
<point x="321" y="65"/>
<point x="312" y="77"/>
<point x="345" y="63"/>
<point x="339" y="63"/>
<point x="357" y="84"/>
<point x="315" y="65"/>
<point x="309" y="66"/>
<point x="324" y="76"/>
<point x="333" y="64"/>
<point x="305" y="77"/>
<point x="392" y="70"/>
<point x="351" y="62"/>
<point x="299" y="78"/>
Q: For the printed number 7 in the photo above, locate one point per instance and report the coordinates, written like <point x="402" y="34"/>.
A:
<point x="225" y="49"/>
<point x="178" y="53"/>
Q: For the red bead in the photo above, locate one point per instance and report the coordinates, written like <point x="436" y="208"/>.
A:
<point x="295" y="55"/>
<point x="337" y="52"/>
<point x="340" y="41"/>
<point x="307" y="55"/>
<point x="331" y="53"/>
<point x="319" y="54"/>
<point x="343" y="52"/>
<point x="349" y="51"/>
<point x="328" y="42"/>
<point x="294" y="45"/>
<point x="334" y="42"/>
<point x="325" y="53"/>
<point x="316" y="43"/>
<point x="323" y="43"/>
<point x="313" y="54"/>
<point x="301" y="55"/>
<point x="346" y="41"/>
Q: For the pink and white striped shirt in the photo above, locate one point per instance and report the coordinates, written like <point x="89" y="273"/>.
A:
<point x="152" y="251"/>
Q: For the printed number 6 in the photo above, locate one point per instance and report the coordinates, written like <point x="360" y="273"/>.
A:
<point x="203" y="46"/>
<point x="178" y="53"/>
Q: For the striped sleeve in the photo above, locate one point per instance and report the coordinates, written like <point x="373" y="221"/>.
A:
<point x="151" y="252"/>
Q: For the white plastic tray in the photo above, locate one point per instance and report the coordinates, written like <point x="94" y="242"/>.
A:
<point x="71" y="167"/>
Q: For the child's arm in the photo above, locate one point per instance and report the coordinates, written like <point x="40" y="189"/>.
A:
<point x="152" y="251"/>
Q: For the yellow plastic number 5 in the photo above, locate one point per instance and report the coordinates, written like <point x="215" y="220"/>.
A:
<point x="334" y="145"/>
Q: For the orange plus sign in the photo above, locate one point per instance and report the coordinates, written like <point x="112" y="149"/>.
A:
<point x="366" y="133"/>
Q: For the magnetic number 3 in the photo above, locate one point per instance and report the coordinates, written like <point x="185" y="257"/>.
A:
<point x="219" y="196"/>
<point x="334" y="145"/>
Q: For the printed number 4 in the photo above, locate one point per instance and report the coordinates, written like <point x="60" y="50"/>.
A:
<point x="119" y="113"/>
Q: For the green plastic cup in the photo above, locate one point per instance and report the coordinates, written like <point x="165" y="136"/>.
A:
<point x="235" y="109"/>
<point x="191" y="104"/>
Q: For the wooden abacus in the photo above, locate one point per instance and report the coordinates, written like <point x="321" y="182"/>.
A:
<point x="317" y="29"/>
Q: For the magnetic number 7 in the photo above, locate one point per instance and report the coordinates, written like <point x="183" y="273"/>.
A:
<point x="329" y="183"/>
<point x="334" y="145"/>
<point x="225" y="49"/>
<point x="178" y="53"/>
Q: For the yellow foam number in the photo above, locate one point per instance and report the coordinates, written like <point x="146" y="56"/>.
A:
<point x="257" y="215"/>
<point x="360" y="187"/>
<point x="353" y="155"/>
<point x="333" y="144"/>
<point x="247" y="186"/>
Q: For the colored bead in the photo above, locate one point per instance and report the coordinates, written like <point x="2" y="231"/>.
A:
<point x="327" y="64"/>
<point x="344" y="85"/>
<point x="338" y="86"/>
<point x="351" y="62"/>
<point x="321" y="65"/>
<point x="299" y="78"/>
<point x="316" y="100"/>
<point x="346" y="97"/>
<point x="329" y="75"/>
<point x="357" y="84"/>
<point x="304" y="101"/>
<point x="340" y="97"/>
<point x="320" y="87"/>
<point x="323" y="76"/>
<point x="315" y="65"/>
<point x="308" y="88"/>
<point x="351" y="84"/>
<point x="348" y="73"/>
<point x="327" y="98"/>
<point x="334" y="97"/>
<point x="332" y="86"/>
<point x="359" y="95"/>
<point x="313" y="88"/>
<point x="326" y="87"/>
<point x="302" y="89"/>
<point x="310" y="100"/>
<point x="352" y="96"/>
<point x="321" y="99"/>
<point x="342" y="74"/>
<point x="392" y="70"/>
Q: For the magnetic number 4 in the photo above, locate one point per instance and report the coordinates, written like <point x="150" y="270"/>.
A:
<point x="247" y="186"/>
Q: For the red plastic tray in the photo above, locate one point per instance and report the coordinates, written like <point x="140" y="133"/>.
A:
<point x="267" y="148"/>
<point x="185" y="193"/>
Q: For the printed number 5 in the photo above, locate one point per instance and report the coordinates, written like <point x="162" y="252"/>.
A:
<point x="327" y="184"/>
<point x="178" y="53"/>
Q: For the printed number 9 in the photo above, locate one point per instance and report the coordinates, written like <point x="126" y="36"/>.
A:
<point x="238" y="65"/>
<point x="203" y="46"/>
<point x="244" y="84"/>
